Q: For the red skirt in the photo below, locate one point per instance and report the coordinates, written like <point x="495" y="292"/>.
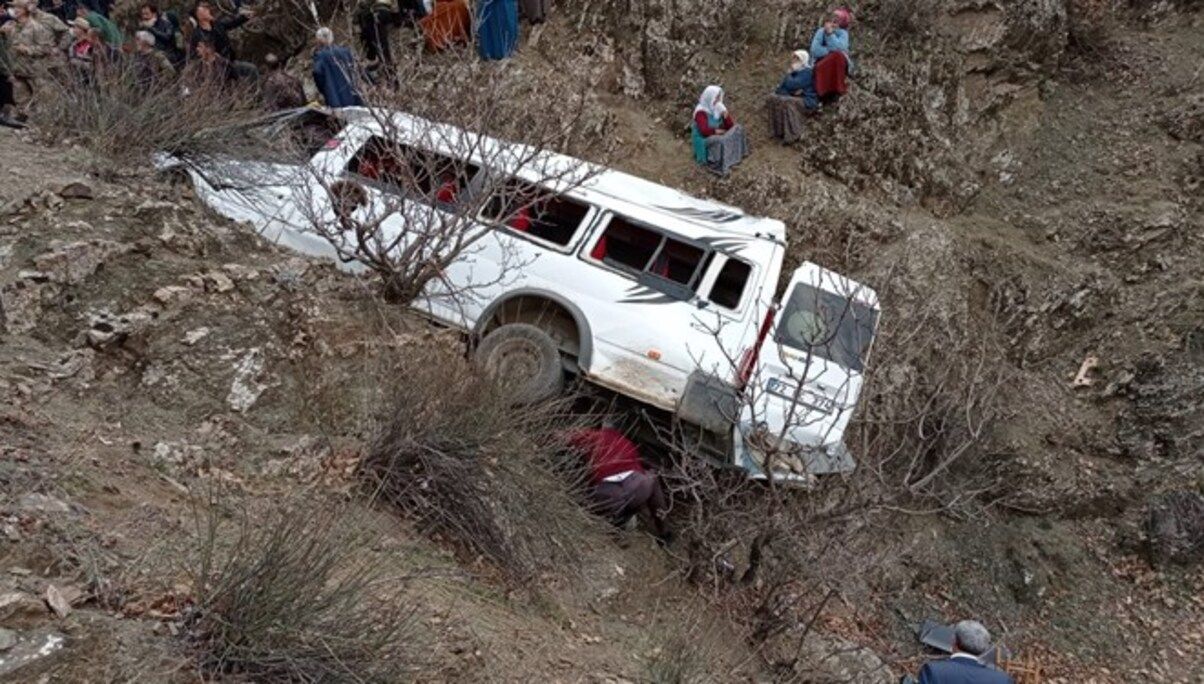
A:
<point x="831" y="74"/>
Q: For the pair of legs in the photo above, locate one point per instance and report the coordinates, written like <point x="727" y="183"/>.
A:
<point x="638" y="492"/>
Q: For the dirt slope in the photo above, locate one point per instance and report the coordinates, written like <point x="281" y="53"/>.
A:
<point x="150" y="349"/>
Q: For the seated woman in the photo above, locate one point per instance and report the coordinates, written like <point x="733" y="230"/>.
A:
<point x="719" y="142"/>
<point x="793" y="100"/>
<point x="830" y="55"/>
<point x="800" y="82"/>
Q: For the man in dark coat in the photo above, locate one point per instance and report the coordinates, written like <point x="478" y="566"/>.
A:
<point x="970" y="641"/>
<point x="216" y="31"/>
<point x="335" y="72"/>
<point x="154" y="22"/>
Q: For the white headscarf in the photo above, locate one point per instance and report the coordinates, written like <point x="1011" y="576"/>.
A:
<point x="710" y="102"/>
<point x="801" y="57"/>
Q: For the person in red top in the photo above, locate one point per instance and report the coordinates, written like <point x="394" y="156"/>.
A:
<point x="448" y="188"/>
<point x="619" y="485"/>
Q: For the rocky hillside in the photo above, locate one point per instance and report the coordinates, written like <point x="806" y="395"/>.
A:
<point x="1021" y="180"/>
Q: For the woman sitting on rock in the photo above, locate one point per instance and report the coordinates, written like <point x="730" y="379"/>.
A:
<point x="830" y="55"/>
<point x="800" y="82"/>
<point x="793" y="100"/>
<point x="719" y="142"/>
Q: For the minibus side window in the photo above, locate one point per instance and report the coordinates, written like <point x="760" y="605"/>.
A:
<point x="532" y="211"/>
<point x="643" y="250"/>
<point x="395" y="168"/>
<point x="728" y="290"/>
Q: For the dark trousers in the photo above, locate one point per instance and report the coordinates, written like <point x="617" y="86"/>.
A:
<point x="6" y="91"/>
<point x="376" y="30"/>
<point x="618" y="501"/>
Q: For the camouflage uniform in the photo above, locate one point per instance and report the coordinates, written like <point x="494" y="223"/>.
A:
<point x="33" y="58"/>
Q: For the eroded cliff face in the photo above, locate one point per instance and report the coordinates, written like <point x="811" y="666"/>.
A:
<point x="936" y="83"/>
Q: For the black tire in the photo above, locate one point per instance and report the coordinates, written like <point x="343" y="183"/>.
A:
<point x="524" y="360"/>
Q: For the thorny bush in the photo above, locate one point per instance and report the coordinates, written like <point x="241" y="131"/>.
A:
<point x="123" y="119"/>
<point x="455" y="455"/>
<point x="297" y="594"/>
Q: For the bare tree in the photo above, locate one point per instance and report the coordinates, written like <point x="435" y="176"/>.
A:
<point x="795" y="549"/>
<point x="455" y="153"/>
<point x="420" y="195"/>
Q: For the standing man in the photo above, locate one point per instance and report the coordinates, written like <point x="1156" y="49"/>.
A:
<point x="619" y="485"/>
<point x="32" y="55"/>
<point x="216" y="31"/>
<point x="335" y="72"/>
<point x="377" y="19"/>
<point x="970" y="641"/>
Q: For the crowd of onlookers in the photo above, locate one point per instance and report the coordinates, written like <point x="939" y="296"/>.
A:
<point x="48" y="42"/>
<point x="53" y="42"/>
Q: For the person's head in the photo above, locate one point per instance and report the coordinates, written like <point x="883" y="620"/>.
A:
<point x="148" y="12"/>
<point x="81" y="11"/>
<point x="324" y="36"/>
<point x="841" y="17"/>
<point x="204" y="11"/>
<point x="145" y="41"/>
<point x="19" y="11"/>
<point x="969" y="636"/>
<point x="799" y="59"/>
<point x="205" y="50"/>
<point x="271" y="62"/>
<point x="712" y="98"/>
<point x="96" y="37"/>
<point x="80" y="28"/>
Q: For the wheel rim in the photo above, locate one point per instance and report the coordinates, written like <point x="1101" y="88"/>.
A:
<point x="515" y="362"/>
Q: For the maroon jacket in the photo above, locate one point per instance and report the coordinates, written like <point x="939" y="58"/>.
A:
<point x="607" y="452"/>
<point x="704" y="125"/>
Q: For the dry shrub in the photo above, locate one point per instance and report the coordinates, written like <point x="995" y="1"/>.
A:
<point x="297" y="595"/>
<point x="932" y="402"/>
<point x="685" y="653"/>
<point x="779" y="558"/>
<point x="457" y="457"/>
<point x="124" y="120"/>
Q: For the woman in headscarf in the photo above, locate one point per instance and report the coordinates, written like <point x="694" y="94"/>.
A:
<point x="497" y="28"/>
<point x="830" y="55"/>
<point x="793" y="100"/>
<point x="719" y="143"/>
<point x="800" y="82"/>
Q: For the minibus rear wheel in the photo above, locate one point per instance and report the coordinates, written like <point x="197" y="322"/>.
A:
<point x="524" y="360"/>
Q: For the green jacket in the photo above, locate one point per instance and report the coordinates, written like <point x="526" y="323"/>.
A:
<point x="108" y="30"/>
